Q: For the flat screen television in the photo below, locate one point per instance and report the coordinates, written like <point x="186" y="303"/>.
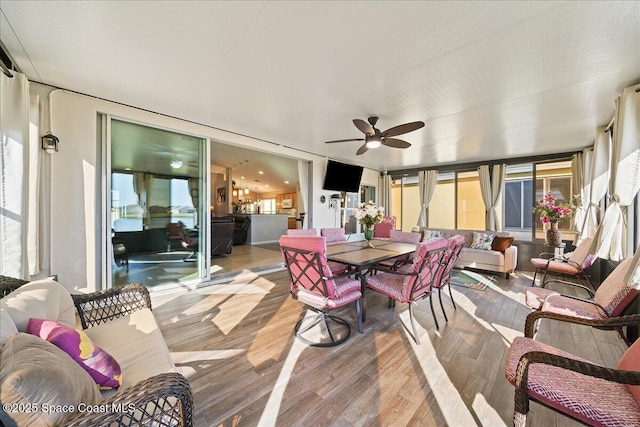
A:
<point x="342" y="177"/>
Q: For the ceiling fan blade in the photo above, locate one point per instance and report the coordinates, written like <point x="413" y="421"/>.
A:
<point x="401" y="129"/>
<point x="364" y="127"/>
<point x="344" y="140"/>
<point x="363" y="149"/>
<point x="395" y="143"/>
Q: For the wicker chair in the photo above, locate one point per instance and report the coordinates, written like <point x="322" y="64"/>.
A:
<point x="10" y="284"/>
<point x="410" y="284"/>
<point x="611" y="300"/>
<point x="573" y="386"/>
<point x="163" y="399"/>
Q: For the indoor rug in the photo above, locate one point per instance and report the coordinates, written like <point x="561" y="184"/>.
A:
<point x="470" y="279"/>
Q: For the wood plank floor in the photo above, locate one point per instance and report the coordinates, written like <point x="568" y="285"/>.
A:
<point x="235" y="343"/>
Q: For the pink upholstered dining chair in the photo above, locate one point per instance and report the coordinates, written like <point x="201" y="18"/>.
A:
<point x="576" y="265"/>
<point x="334" y="236"/>
<point x="454" y="247"/>
<point x="409" y="285"/>
<point x="401" y="237"/>
<point x="306" y="232"/>
<point x="610" y="301"/>
<point x="313" y="284"/>
<point x="573" y="386"/>
<point x="382" y="230"/>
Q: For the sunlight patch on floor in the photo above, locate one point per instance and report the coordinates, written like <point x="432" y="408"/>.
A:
<point x="486" y="412"/>
<point x="448" y="398"/>
<point x="272" y="408"/>
<point x="195" y="356"/>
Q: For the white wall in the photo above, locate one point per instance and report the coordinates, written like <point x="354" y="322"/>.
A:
<point x="76" y="178"/>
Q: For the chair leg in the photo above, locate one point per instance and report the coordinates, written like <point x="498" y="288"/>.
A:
<point x="441" y="306"/>
<point x="392" y="302"/>
<point x="535" y="273"/>
<point x="413" y="325"/>
<point x="359" y="316"/>
<point x="433" y="313"/>
<point x="324" y="318"/>
<point x="451" y="296"/>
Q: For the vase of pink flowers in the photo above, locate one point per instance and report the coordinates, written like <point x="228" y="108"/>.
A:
<point x="550" y="213"/>
<point x="368" y="214"/>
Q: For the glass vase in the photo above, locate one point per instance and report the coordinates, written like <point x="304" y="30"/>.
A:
<point x="368" y="234"/>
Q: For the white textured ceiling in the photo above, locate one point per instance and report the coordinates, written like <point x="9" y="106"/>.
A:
<point x="491" y="80"/>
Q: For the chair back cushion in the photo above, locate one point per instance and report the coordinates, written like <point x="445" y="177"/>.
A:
<point x="454" y="247"/>
<point x="307" y="232"/>
<point x="306" y="259"/>
<point x="426" y="263"/>
<point x="405" y="236"/>
<point x="42" y="299"/>
<point x="630" y="361"/>
<point x="383" y="230"/>
<point x="333" y="235"/>
<point x="614" y="294"/>
<point x="581" y="254"/>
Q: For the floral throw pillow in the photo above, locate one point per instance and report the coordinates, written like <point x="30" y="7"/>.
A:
<point x="100" y="365"/>
<point x="432" y="235"/>
<point x="482" y="240"/>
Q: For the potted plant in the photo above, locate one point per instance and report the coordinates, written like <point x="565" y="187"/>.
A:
<point x="550" y="213"/>
<point x="368" y="214"/>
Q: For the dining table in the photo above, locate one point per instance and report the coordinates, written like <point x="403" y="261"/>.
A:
<point x="365" y="254"/>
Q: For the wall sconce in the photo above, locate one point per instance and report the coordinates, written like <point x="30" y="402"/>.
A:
<point x="50" y="143"/>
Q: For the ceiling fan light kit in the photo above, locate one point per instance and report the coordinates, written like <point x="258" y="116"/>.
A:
<point x="374" y="138"/>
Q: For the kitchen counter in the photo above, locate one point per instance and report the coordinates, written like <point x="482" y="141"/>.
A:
<point x="266" y="228"/>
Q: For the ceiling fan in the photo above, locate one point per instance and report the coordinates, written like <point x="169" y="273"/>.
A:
<point x="373" y="138"/>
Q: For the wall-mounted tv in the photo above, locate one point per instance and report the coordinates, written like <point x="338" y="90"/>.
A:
<point x="342" y="177"/>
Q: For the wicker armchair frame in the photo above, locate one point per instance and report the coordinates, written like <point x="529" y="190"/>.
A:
<point x="102" y="306"/>
<point x="163" y="399"/>
<point x="522" y="398"/>
<point x="10" y="284"/>
<point x="607" y="323"/>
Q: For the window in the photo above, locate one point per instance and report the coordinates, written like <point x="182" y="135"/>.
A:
<point x="470" y="206"/>
<point x="554" y="178"/>
<point x="517" y="198"/>
<point x="268" y="206"/>
<point x="441" y="213"/>
<point x="126" y="212"/>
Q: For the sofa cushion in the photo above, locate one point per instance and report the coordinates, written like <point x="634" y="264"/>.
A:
<point x="136" y="342"/>
<point x="7" y="327"/>
<point x="482" y="240"/>
<point x="102" y="367"/>
<point x="42" y="299"/>
<point x="481" y="256"/>
<point x="432" y="235"/>
<point x="501" y="244"/>
<point x="34" y="372"/>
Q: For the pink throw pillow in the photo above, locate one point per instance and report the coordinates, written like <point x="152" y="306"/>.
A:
<point x="100" y="365"/>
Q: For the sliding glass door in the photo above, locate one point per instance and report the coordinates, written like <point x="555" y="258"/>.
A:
<point x="157" y="209"/>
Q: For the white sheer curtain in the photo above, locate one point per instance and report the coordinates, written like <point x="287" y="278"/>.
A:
<point x="143" y="186"/>
<point x="148" y="186"/>
<point x="581" y="213"/>
<point x="625" y="175"/>
<point x="599" y="182"/>
<point x="577" y="175"/>
<point x="427" y="181"/>
<point x="303" y="183"/>
<point x="33" y="193"/>
<point x="14" y="175"/>
<point x="491" y="188"/>
<point x="384" y="184"/>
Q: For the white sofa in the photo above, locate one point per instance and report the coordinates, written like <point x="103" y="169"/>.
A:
<point x="119" y="321"/>
<point x="482" y="259"/>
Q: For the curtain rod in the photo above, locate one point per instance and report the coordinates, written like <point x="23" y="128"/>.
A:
<point x="609" y="125"/>
<point x="5" y="70"/>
